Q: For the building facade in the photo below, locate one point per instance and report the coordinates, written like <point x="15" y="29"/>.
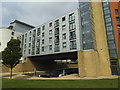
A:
<point x="90" y="31"/>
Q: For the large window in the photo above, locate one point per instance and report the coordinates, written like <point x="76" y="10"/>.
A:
<point x="43" y="34"/>
<point x="73" y="45"/>
<point x="63" y="27"/>
<point x="50" y="32"/>
<point x="29" y="39"/>
<point x="29" y="44"/>
<point x="43" y="41"/>
<point x="43" y="27"/>
<point x="63" y="19"/>
<point x="56" y="47"/>
<point x="42" y="49"/>
<point x="118" y="19"/>
<point x="72" y="17"/>
<point x="56" y="23"/>
<point x="50" y="47"/>
<point x="38" y="31"/>
<point x="50" y="40"/>
<point x="72" y="26"/>
<point x="72" y="35"/>
<point x="116" y="11"/>
<point x="64" y="44"/>
<point x="64" y="36"/>
<point x="38" y="51"/>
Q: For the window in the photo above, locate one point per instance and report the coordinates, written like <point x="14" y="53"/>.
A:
<point x="50" y="24"/>
<point x="50" y="47"/>
<point x="56" y="23"/>
<point x="12" y="33"/>
<point x="63" y="27"/>
<point x="12" y="37"/>
<point x="64" y="36"/>
<point x="72" y="26"/>
<point x="116" y="11"/>
<point x="0" y="43"/>
<point x="64" y="44"/>
<point x="118" y="19"/>
<point x="29" y="38"/>
<point x="42" y="49"/>
<point x="30" y="32"/>
<point x="119" y="35"/>
<point x="29" y="51"/>
<point x="118" y="27"/>
<point x="63" y="19"/>
<point x="56" y="31"/>
<point x="50" y="32"/>
<point x="72" y="35"/>
<point x="38" y="43"/>
<point x="72" y="45"/>
<point x="26" y="35"/>
<point x="25" y="40"/>
<point x="38" y="51"/>
<point x="43" y="34"/>
<point x="38" y="31"/>
<point x="29" y="44"/>
<point x="43" y="27"/>
<point x="43" y="41"/>
<point x="72" y="17"/>
<point x="56" y="47"/>
<point x="50" y="40"/>
<point x="25" y="46"/>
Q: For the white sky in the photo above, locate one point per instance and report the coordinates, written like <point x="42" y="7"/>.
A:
<point x="34" y="13"/>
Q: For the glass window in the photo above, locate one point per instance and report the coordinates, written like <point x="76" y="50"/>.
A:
<point x="26" y="35"/>
<point x="30" y="32"/>
<point x="72" y="26"/>
<point x="56" y="47"/>
<point x="50" y="40"/>
<point x="63" y="27"/>
<point x="42" y="49"/>
<point x="64" y="36"/>
<point x="72" y="35"/>
<point x="64" y="44"/>
<point x="43" y="41"/>
<point x="72" y="17"/>
<point x="12" y="33"/>
<point x="29" y="51"/>
<point x="72" y="45"/>
<point x="63" y="19"/>
<point x="50" y="24"/>
<point x="50" y="32"/>
<point x="43" y="34"/>
<point x="29" y="38"/>
<point x="50" y="47"/>
<point x="38" y="43"/>
<point x="119" y="35"/>
<point x="25" y="46"/>
<point x="29" y="44"/>
<point x="38" y="51"/>
<point x="43" y="27"/>
<point x="116" y="11"/>
<point x="118" y="27"/>
<point x="38" y="31"/>
<point x="118" y="19"/>
<point x="56" y="23"/>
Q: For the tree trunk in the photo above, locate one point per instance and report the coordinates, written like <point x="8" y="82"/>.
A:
<point x="11" y="73"/>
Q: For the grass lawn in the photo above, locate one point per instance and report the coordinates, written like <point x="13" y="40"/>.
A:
<point x="24" y="83"/>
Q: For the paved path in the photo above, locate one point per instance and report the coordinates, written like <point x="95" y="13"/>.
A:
<point x="72" y="76"/>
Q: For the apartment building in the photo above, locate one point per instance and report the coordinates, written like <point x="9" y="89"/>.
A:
<point x="92" y="32"/>
<point x="56" y="36"/>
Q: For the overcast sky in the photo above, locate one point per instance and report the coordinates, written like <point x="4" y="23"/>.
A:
<point x="34" y="13"/>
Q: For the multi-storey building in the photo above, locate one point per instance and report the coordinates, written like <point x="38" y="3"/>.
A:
<point x="90" y="31"/>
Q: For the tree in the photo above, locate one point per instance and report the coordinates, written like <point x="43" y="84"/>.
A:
<point x="11" y="54"/>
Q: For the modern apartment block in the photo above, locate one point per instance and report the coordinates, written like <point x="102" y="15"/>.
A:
<point x="91" y="33"/>
<point x="56" y="36"/>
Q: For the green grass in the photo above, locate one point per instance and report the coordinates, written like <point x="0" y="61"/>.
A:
<point x="24" y="83"/>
